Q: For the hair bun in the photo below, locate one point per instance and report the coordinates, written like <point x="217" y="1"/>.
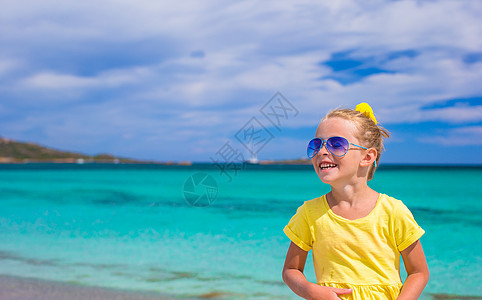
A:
<point x="366" y="109"/>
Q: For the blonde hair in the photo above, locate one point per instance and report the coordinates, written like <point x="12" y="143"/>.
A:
<point x="370" y="134"/>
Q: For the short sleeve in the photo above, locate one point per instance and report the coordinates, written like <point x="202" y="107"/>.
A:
<point x="407" y="231"/>
<point x="298" y="229"/>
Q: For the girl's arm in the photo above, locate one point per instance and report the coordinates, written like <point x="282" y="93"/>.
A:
<point x="293" y="277"/>
<point x="417" y="272"/>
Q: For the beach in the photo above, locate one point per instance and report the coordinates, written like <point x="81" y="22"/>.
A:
<point x="16" y="288"/>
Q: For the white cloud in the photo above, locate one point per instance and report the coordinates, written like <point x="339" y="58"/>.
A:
<point x="7" y="66"/>
<point x="456" y="114"/>
<point x="252" y="49"/>
<point x="461" y="136"/>
<point x="111" y="78"/>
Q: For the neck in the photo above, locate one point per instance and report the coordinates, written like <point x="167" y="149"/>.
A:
<point x="352" y="193"/>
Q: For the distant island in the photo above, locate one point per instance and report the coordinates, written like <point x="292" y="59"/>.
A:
<point x="15" y="152"/>
<point x="20" y="152"/>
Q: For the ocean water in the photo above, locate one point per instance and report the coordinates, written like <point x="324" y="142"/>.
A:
<point x="133" y="226"/>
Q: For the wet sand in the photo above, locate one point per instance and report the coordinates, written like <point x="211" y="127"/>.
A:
<point x="15" y="288"/>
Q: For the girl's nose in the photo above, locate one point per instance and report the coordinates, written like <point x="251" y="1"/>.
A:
<point x="323" y="150"/>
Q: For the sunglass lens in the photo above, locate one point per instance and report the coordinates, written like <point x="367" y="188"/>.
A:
<point x="337" y="145"/>
<point x="313" y="147"/>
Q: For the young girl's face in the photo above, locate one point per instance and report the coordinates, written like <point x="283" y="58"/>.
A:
<point x="332" y="169"/>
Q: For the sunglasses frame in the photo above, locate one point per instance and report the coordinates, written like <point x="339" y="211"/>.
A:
<point x="324" y="144"/>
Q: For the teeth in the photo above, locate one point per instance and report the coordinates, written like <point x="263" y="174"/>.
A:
<point x="326" y="166"/>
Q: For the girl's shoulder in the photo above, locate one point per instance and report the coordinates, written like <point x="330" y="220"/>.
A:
<point x="392" y="206"/>
<point x="316" y="203"/>
<point x="313" y="208"/>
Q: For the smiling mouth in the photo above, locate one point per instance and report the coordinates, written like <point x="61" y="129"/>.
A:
<point x="326" y="166"/>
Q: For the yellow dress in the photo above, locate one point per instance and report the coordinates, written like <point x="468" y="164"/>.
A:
<point x="361" y="254"/>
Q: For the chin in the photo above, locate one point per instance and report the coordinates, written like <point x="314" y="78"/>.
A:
<point x="325" y="178"/>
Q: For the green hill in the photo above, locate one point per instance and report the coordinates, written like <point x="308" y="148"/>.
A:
<point x="20" y="152"/>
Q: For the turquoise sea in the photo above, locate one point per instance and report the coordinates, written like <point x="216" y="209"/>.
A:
<point x="130" y="226"/>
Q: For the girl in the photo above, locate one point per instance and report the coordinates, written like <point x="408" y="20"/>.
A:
<point x="355" y="233"/>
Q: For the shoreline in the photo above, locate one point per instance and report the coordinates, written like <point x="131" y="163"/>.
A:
<point x="19" y="288"/>
<point x="22" y="288"/>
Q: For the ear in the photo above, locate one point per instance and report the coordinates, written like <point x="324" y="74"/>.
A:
<point x="369" y="157"/>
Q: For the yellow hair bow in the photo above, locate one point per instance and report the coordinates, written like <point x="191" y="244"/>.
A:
<point x="365" y="109"/>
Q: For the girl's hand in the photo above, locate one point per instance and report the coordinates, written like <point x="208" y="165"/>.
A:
<point x="327" y="293"/>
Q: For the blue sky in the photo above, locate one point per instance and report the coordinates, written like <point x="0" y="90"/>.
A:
<point x="175" y="81"/>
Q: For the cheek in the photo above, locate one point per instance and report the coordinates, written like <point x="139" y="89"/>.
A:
<point x="314" y="163"/>
<point x="351" y="161"/>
